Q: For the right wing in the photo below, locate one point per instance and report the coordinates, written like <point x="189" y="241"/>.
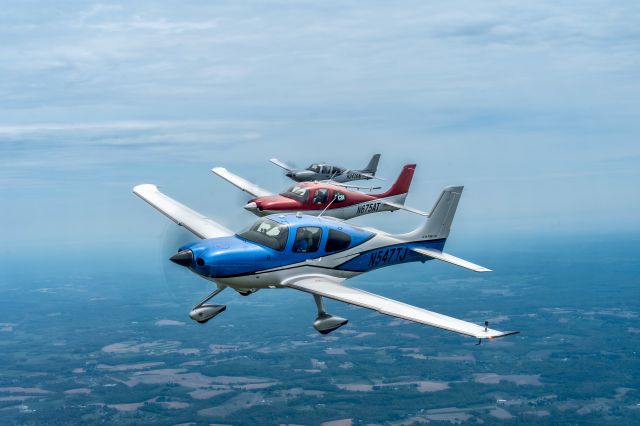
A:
<point x="283" y="165"/>
<point x="363" y="174"/>
<point x="356" y="187"/>
<point x="195" y="222"/>
<point x="328" y="287"/>
<point x="241" y="183"/>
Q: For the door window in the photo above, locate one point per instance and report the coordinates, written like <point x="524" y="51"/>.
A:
<point x="337" y="240"/>
<point x="307" y="239"/>
<point x="321" y="196"/>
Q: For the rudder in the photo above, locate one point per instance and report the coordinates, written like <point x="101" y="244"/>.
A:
<point x="402" y="184"/>
<point x="438" y="225"/>
<point x="372" y="167"/>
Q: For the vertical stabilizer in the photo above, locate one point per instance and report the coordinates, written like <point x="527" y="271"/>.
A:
<point x="372" y="167"/>
<point x="439" y="223"/>
<point x="402" y="184"/>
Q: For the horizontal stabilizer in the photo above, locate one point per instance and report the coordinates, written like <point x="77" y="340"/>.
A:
<point x="328" y="287"/>
<point x="241" y="183"/>
<point x="437" y="254"/>
<point x="283" y="165"/>
<point x="195" y="222"/>
<point x="356" y="187"/>
<point x="403" y="207"/>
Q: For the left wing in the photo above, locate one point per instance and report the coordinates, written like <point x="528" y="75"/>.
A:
<point x="195" y="222"/>
<point x="241" y="183"/>
<point x="407" y="208"/>
<point x="329" y="287"/>
<point x="283" y="165"/>
<point x="449" y="258"/>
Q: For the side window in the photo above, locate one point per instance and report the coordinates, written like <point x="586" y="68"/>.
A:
<point x="307" y="239"/>
<point x="337" y="240"/>
<point x="339" y="197"/>
<point x="321" y="196"/>
<point x="325" y="169"/>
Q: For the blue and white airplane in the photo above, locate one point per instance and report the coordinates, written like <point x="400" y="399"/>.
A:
<point x="315" y="255"/>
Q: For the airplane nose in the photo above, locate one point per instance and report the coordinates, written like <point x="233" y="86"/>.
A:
<point x="184" y="258"/>
<point x="252" y="207"/>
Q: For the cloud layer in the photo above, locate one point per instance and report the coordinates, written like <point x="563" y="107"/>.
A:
<point x="533" y="107"/>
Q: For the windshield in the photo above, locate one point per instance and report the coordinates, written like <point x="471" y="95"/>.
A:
<point x="297" y="193"/>
<point x="268" y="233"/>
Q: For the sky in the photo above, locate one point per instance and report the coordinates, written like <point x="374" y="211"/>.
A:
<point x="533" y="107"/>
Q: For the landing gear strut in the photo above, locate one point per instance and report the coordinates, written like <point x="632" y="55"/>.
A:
<point x="326" y="323"/>
<point x="202" y="312"/>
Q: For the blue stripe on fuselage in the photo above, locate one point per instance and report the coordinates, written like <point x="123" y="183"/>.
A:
<point x="390" y="255"/>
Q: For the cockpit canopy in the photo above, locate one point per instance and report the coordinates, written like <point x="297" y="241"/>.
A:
<point x="268" y="233"/>
<point x="325" y="169"/>
<point x="298" y="193"/>
<point x="306" y="235"/>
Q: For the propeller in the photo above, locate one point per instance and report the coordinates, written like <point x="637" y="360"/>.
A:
<point x="179" y="282"/>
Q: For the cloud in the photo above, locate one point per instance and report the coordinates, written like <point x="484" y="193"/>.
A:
<point x="160" y="25"/>
<point x="30" y="152"/>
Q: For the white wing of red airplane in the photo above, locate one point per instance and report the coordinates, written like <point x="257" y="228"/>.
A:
<point x="195" y="222"/>
<point x="356" y="187"/>
<point x="332" y="288"/>
<point x="241" y="183"/>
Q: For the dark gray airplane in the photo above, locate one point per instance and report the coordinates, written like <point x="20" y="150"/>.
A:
<point x="323" y="171"/>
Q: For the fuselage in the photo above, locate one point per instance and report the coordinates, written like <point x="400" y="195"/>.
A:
<point x="253" y="260"/>
<point x="318" y="172"/>
<point x="313" y="198"/>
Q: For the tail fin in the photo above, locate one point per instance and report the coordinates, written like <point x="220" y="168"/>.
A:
<point x="372" y="167"/>
<point x="439" y="223"/>
<point x="402" y="184"/>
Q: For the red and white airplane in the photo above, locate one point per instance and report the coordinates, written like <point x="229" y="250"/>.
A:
<point x="324" y="198"/>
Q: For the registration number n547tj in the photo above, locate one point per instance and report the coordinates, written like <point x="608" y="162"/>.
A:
<point x="387" y="255"/>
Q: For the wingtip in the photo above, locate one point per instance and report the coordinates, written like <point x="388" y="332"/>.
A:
<point x="454" y="188"/>
<point x="218" y="170"/>
<point x="144" y="187"/>
<point x="502" y="334"/>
